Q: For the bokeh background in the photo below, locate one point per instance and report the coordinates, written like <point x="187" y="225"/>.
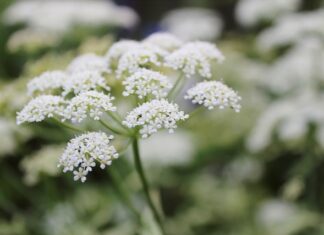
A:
<point x="259" y="172"/>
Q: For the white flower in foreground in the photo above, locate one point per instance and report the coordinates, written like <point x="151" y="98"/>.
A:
<point x="84" y="81"/>
<point x="195" y="58"/>
<point x="92" y="103"/>
<point x="165" y="41"/>
<point x="46" y="82"/>
<point x="44" y="106"/>
<point x="145" y="82"/>
<point x="86" y="151"/>
<point x="117" y="50"/>
<point x="88" y="62"/>
<point x="143" y="56"/>
<point x="154" y="115"/>
<point x="213" y="94"/>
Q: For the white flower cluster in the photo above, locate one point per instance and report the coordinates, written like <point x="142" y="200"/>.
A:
<point x="44" y="106"/>
<point x="47" y="82"/>
<point x="251" y="12"/>
<point x="145" y="82"/>
<point x="154" y="115"/>
<point x="84" y="81"/>
<point x="88" y="62"/>
<point x="165" y="41"/>
<point x="195" y="58"/>
<point x="145" y="55"/>
<point x="61" y="16"/>
<point x="86" y="151"/>
<point x="213" y="94"/>
<point x="191" y="24"/>
<point x="92" y="103"/>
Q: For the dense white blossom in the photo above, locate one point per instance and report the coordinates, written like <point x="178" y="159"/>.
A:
<point x="292" y="28"/>
<point x="41" y="107"/>
<point x="146" y="55"/>
<point x="195" y="58"/>
<point x="84" y="152"/>
<point x="251" y="12"/>
<point x="191" y="24"/>
<point x="61" y="16"/>
<point x="47" y="82"/>
<point x="90" y="103"/>
<point x="154" y="115"/>
<point x="145" y="82"/>
<point x="88" y="62"/>
<point x="164" y="40"/>
<point x="84" y="81"/>
<point x="213" y="94"/>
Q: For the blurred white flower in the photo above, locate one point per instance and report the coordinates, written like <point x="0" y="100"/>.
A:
<point x="41" y="107"/>
<point x="301" y="67"/>
<point x="154" y="115"/>
<point x="43" y="161"/>
<point x="9" y="142"/>
<point x="145" y="82"/>
<point x="193" y="24"/>
<point x="84" y="81"/>
<point x="213" y="94"/>
<point x="84" y="152"/>
<point x="252" y="12"/>
<point x="292" y="28"/>
<point x="195" y="58"/>
<point x="47" y="82"/>
<point x="88" y="62"/>
<point x="61" y="16"/>
<point x="142" y="56"/>
<point x="164" y="40"/>
<point x="90" y="103"/>
<point x="117" y="50"/>
<point x="289" y="118"/>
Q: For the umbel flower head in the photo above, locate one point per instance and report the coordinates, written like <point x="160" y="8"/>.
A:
<point x="143" y="56"/>
<point x="84" y="81"/>
<point x="47" y="82"/>
<point x="213" y="94"/>
<point x="146" y="82"/>
<point x="86" y="151"/>
<point x="195" y="58"/>
<point x="88" y="62"/>
<point x="154" y="115"/>
<point x="41" y="107"/>
<point x="165" y="41"/>
<point x="90" y="103"/>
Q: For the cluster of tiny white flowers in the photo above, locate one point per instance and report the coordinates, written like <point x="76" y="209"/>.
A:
<point x="41" y="107"/>
<point x="88" y="62"/>
<point x="84" y="81"/>
<point x="145" y="55"/>
<point x="145" y="82"/>
<point x="194" y="58"/>
<point x="154" y="115"/>
<point x="85" y="151"/>
<point x="46" y="82"/>
<point x="165" y="41"/>
<point x="92" y="103"/>
<point x="213" y="94"/>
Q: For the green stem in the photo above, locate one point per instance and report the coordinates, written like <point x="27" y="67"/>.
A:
<point x="172" y="92"/>
<point x="66" y="125"/>
<point x="113" y="129"/>
<point x="140" y="171"/>
<point x="117" y="119"/>
<point x="123" y="193"/>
